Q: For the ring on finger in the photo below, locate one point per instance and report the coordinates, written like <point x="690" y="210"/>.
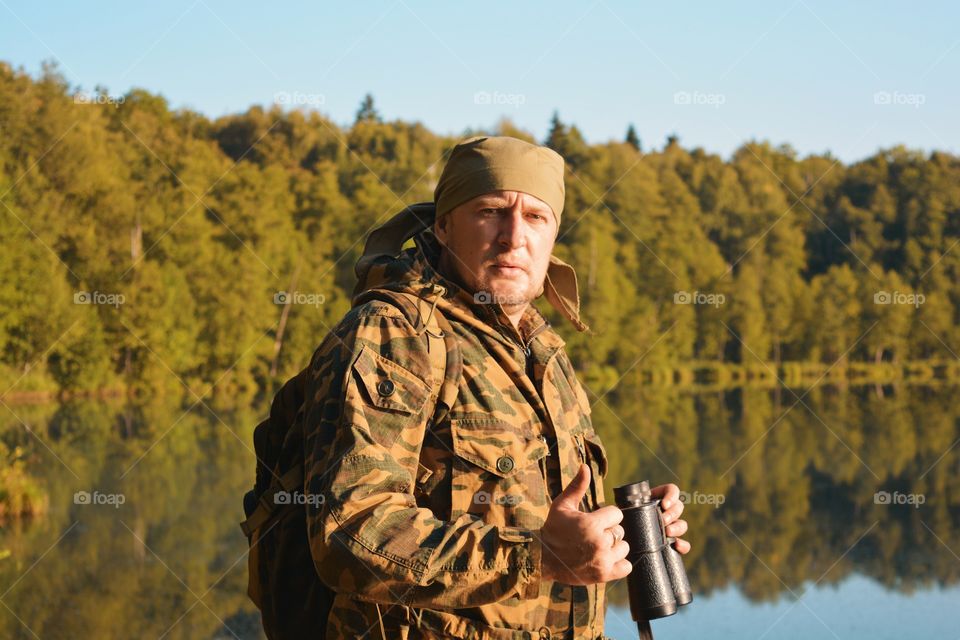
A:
<point x="617" y="535"/>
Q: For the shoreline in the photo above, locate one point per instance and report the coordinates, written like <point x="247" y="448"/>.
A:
<point x="706" y="376"/>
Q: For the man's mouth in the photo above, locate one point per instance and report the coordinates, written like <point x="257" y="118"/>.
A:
<point x="507" y="268"/>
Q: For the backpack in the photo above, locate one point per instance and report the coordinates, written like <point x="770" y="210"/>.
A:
<point x="282" y="580"/>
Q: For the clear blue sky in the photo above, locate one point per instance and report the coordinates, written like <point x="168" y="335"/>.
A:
<point x="805" y="73"/>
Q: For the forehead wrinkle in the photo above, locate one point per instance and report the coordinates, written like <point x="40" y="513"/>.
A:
<point x="493" y="201"/>
<point x="530" y="202"/>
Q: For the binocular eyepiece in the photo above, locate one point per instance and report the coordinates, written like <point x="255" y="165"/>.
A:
<point x="658" y="583"/>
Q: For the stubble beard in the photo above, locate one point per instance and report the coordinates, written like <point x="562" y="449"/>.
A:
<point x="512" y="296"/>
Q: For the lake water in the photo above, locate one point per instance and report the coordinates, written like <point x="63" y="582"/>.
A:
<point x="823" y="513"/>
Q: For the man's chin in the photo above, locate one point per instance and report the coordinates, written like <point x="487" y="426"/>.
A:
<point x="510" y="298"/>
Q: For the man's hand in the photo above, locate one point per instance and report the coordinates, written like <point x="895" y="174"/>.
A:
<point x="672" y="507"/>
<point x="579" y="547"/>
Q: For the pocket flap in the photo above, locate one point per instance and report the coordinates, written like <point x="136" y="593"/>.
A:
<point x="495" y="445"/>
<point x="388" y="385"/>
<point x="596" y="451"/>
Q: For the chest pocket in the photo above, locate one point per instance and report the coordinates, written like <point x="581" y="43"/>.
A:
<point x="496" y="472"/>
<point x="384" y="397"/>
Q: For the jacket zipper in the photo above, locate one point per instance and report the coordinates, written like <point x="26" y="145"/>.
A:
<point x="528" y="352"/>
<point x="533" y="335"/>
<point x="525" y="346"/>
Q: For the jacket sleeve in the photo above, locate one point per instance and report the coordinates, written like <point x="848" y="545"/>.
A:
<point x="368" y="399"/>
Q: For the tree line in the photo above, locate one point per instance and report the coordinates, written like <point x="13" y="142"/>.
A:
<point x="146" y="249"/>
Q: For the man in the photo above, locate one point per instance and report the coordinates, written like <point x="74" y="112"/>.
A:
<point x="489" y="522"/>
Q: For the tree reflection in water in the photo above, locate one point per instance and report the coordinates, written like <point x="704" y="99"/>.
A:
<point x="781" y="493"/>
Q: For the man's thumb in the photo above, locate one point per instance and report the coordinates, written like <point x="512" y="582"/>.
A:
<point x="571" y="496"/>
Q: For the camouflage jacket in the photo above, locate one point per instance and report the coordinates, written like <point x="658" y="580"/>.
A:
<point x="427" y="530"/>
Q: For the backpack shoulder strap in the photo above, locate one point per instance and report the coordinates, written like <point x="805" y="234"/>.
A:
<point x="429" y="325"/>
<point x="452" y="371"/>
<point x="268" y="504"/>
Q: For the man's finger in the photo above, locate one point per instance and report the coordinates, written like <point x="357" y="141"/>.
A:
<point x="673" y="512"/>
<point x="681" y="545"/>
<point x="606" y="517"/>
<point x="622" y="569"/>
<point x="620" y="550"/>
<point x="669" y="494"/>
<point x="569" y="499"/>
<point x="677" y="529"/>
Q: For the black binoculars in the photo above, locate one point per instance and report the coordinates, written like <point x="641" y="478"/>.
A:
<point x="658" y="583"/>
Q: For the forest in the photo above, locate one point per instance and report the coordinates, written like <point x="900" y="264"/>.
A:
<point x="143" y="248"/>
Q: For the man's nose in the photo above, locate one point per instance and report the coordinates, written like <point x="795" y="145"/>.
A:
<point x="512" y="231"/>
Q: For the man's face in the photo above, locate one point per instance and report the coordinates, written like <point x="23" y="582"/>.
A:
<point x="500" y="243"/>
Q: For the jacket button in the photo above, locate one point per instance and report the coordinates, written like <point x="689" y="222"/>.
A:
<point x="386" y="388"/>
<point x="505" y="464"/>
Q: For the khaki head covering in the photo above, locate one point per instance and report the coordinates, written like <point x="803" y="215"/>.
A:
<point x="480" y="165"/>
